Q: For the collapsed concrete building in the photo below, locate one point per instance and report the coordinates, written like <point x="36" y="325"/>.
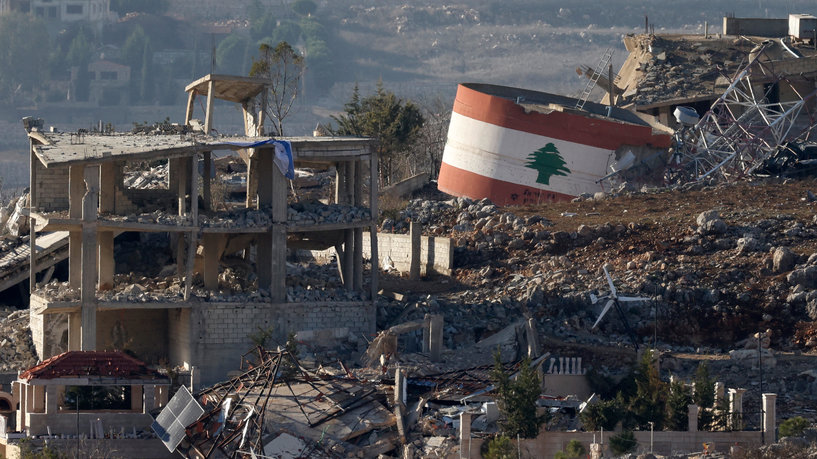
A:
<point x="742" y="94"/>
<point x="164" y="315"/>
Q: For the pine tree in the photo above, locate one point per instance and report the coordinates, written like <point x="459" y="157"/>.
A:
<point x="548" y="162"/>
<point x="704" y="395"/>
<point x="517" y="399"/>
<point x="678" y="406"/>
<point x="650" y="400"/>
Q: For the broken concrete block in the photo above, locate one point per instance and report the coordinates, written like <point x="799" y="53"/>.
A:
<point x="783" y="259"/>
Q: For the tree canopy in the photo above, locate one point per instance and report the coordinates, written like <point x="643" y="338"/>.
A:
<point x="395" y="123"/>
<point x="283" y="66"/>
<point x="517" y="399"/>
<point x="22" y="57"/>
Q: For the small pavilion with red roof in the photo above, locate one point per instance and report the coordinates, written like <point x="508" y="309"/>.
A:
<point x="77" y="389"/>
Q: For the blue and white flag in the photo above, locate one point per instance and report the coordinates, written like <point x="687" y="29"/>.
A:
<point x="283" y="158"/>
<point x="283" y="154"/>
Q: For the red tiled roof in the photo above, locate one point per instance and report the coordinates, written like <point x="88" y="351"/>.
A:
<point x="90" y="363"/>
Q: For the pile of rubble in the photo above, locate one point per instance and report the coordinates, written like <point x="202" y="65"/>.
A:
<point x="16" y="348"/>
<point x="312" y="213"/>
<point x="237" y="218"/>
<point x="237" y="284"/>
<point x="12" y="221"/>
<point x="665" y="68"/>
<point x="718" y="263"/>
<point x="154" y="178"/>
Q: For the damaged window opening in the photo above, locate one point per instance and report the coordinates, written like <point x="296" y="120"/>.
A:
<point x="92" y="398"/>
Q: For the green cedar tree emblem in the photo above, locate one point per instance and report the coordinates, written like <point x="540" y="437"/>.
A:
<point x="548" y="162"/>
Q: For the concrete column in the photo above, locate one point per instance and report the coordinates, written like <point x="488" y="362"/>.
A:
<point x="399" y="386"/>
<point x="107" y="187"/>
<point x="51" y="399"/>
<point x="340" y="182"/>
<point x="188" y="114"/>
<point x="252" y="181"/>
<point x="350" y="182"/>
<point x="562" y="366"/>
<point x="579" y="363"/>
<point x="358" y="259"/>
<point x="271" y="262"/>
<point x="181" y="185"/>
<point x="192" y="242"/>
<point x="75" y="259"/>
<point x="736" y="408"/>
<point x="358" y="201"/>
<point x="19" y="391"/>
<point x="76" y="190"/>
<point x="415" y="232"/>
<point x="719" y="391"/>
<point x="552" y="364"/>
<point x="208" y="117"/>
<point x="74" y="331"/>
<point x="29" y="398"/>
<point x="106" y="260"/>
<point x="373" y="203"/>
<point x="33" y="161"/>
<point x="136" y="398"/>
<point x="348" y="272"/>
<point x="150" y="398"/>
<point x="211" y="255"/>
<point x="770" y="417"/>
<point x="435" y="334"/>
<point x="465" y="433"/>
<point x="206" y="180"/>
<point x="90" y="204"/>
<point x="693" y="418"/>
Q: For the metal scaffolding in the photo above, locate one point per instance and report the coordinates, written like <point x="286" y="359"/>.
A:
<point x="744" y="127"/>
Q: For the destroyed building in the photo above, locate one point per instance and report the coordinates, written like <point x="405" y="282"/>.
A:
<point x="742" y="96"/>
<point x="215" y="274"/>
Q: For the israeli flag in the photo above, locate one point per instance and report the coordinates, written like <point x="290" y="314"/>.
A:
<point x="283" y="158"/>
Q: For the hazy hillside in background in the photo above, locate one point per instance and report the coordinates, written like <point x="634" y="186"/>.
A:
<point x="420" y="49"/>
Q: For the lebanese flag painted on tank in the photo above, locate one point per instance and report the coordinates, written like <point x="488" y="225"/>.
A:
<point x="497" y="150"/>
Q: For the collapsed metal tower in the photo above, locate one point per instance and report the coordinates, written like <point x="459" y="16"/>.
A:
<point x="744" y="127"/>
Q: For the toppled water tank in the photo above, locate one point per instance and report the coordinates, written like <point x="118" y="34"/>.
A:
<point x="686" y="116"/>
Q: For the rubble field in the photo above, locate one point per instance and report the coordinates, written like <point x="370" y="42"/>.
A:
<point x="719" y="263"/>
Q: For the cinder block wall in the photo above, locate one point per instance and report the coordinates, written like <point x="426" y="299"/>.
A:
<point x="436" y="253"/>
<point x="52" y="187"/>
<point x="221" y="332"/>
<point x="47" y="330"/>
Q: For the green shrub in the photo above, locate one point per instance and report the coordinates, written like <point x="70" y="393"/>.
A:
<point x="573" y="450"/>
<point x="500" y="447"/>
<point x="623" y="443"/>
<point x="793" y="427"/>
<point x="603" y="415"/>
